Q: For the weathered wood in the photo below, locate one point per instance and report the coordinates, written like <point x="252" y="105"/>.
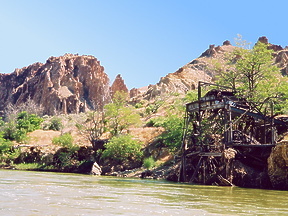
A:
<point x="196" y="170"/>
<point x="209" y="154"/>
<point x="224" y="181"/>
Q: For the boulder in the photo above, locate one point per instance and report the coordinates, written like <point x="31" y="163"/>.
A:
<point x="278" y="166"/>
<point x="96" y="169"/>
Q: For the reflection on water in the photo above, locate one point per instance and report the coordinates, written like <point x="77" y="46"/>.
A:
<point x="41" y="193"/>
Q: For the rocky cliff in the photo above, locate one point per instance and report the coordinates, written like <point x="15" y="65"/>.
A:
<point x="65" y="84"/>
<point x="200" y="69"/>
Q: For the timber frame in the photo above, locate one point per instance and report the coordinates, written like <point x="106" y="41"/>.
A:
<point x="219" y="121"/>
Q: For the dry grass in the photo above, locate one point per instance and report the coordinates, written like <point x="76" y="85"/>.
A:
<point x="41" y="137"/>
<point x="146" y="134"/>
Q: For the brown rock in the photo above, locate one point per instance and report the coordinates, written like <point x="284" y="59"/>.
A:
<point x="278" y="166"/>
<point x="263" y="39"/>
<point x="226" y="43"/>
<point x="118" y="85"/>
<point x="65" y="84"/>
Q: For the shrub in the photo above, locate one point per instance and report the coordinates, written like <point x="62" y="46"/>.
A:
<point x="65" y="141"/>
<point x="55" y="124"/>
<point x="149" y="163"/>
<point x="5" y="145"/>
<point x="28" y="122"/>
<point x="123" y="148"/>
<point x="172" y="137"/>
<point x="18" y="128"/>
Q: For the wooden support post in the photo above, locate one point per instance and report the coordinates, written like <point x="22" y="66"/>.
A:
<point x="196" y="170"/>
<point x="204" y="170"/>
<point x="272" y="125"/>
<point x="230" y="124"/>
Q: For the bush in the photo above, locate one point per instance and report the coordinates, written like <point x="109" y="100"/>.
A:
<point x="55" y="124"/>
<point x="65" y="141"/>
<point x="18" y="128"/>
<point x="5" y="145"/>
<point x="172" y="137"/>
<point x="149" y="163"/>
<point x="28" y="122"/>
<point x="123" y="148"/>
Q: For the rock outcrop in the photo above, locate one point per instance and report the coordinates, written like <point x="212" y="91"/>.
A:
<point x="187" y="77"/>
<point x="118" y="85"/>
<point x="65" y="84"/>
<point x="278" y="166"/>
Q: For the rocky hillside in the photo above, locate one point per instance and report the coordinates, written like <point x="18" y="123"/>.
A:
<point x="73" y="84"/>
<point x="187" y="77"/>
<point x="65" y="84"/>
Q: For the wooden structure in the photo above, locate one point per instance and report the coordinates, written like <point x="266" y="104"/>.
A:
<point x="220" y="121"/>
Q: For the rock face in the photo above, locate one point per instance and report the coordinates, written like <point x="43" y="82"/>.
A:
<point x="118" y="85"/>
<point x="278" y="166"/>
<point x="66" y="84"/>
<point x="187" y="77"/>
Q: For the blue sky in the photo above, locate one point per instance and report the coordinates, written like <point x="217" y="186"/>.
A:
<point x="141" y="40"/>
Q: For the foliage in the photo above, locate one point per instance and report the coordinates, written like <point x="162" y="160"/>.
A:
<point x="65" y="158"/>
<point x="16" y="129"/>
<point x="1" y="122"/>
<point x="65" y="141"/>
<point x="7" y="152"/>
<point x="173" y="124"/>
<point x="94" y="126"/>
<point x="5" y="145"/>
<point x="153" y="107"/>
<point x="149" y="163"/>
<point x="139" y="105"/>
<point x="159" y="101"/>
<point x="28" y="122"/>
<point x="119" y="115"/>
<point x="55" y="124"/>
<point x="191" y="96"/>
<point x="172" y="137"/>
<point x="123" y="148"/>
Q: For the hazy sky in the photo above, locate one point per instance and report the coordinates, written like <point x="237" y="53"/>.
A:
<point x="143" y="40"/>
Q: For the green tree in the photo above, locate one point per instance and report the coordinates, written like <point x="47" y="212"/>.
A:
<point x="173" y="123"/>
<point x="28" y="122"/>
<point x="119" y="115"/>
<point x="123" y="148"/>
<point x="251" y="72"/>
<point x="5" y="145"/>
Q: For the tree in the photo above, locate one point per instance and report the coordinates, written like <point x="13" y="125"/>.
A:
<point x="173" y="124"/>
<point x="119" y="115"/>
<point x="16" y="129"/>
<point x="123" y="148"/>
<point x="93" y="128"/>
<point x="251" y="72"/>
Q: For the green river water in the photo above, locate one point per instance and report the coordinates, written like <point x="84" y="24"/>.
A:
<point x="44" y="193"/>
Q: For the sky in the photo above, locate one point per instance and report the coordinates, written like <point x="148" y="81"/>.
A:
<point x="143" y="40"/>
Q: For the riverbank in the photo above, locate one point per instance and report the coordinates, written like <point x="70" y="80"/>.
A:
<point x="248" y="172"/>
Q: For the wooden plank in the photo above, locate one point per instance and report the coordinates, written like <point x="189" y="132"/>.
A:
<point x="253" y="146"/>
<point x="208" y="154"/>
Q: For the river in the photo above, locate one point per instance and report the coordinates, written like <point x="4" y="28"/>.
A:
<point x="47" y="193"/>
